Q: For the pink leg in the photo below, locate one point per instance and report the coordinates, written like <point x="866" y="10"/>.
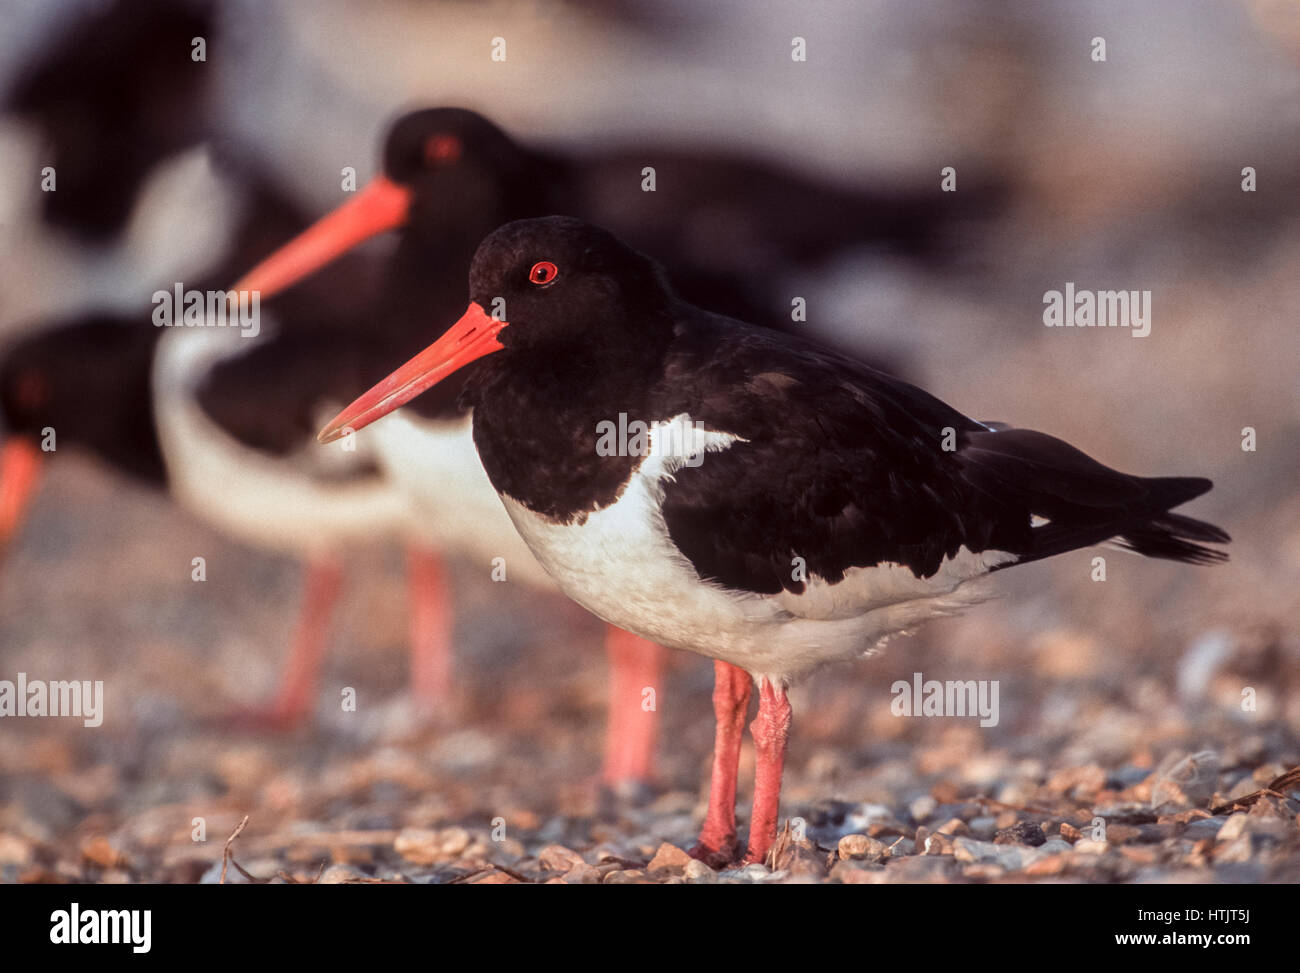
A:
<point x="431" y="628"/>
<point x="297" y="690"/>
<point x="771" y="733"/>
<point x="634" y="665"/>
<point x="731" y="689"/>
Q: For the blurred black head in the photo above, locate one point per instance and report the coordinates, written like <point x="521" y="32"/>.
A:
<point x="465" y="174"/>
<point x="113" y="95"/>
<point x="87" y="383"/>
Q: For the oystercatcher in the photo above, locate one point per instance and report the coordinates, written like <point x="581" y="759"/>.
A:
<point x="786" y="506"/>
<point x="178" y="409"/>
<point x="450" y="176"/>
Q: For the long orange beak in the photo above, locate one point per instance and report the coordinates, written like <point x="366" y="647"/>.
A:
<point x="381" y="206"/>
<point x="472" y="337"/>
<point x="20" y="468"/>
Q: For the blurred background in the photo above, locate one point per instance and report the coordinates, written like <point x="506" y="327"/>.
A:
<point x="1125" y="173"/>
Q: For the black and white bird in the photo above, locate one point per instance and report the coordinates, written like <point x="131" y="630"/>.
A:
<point x="789" y="507"/>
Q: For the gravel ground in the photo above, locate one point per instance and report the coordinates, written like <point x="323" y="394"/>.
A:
<point x="1111" y="760"/>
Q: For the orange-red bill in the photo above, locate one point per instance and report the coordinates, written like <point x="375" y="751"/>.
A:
<point x="20" y="468"/>
<point x="472" y="337"/>
<point x="380" y="206"/>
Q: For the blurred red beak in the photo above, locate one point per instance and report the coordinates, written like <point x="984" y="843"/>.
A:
<point x="472" y="337"/>
<point x="20" y="468"/>
<point x="381" y="206"/>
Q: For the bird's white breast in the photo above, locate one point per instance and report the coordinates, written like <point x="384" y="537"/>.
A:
<point x="621" y="564"/>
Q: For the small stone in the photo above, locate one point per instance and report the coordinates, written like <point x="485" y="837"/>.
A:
<point x="102" y="852"/>
<point x="1021" y="833"/>
<point x="937" y="844"/>
<point x="922" y="807"/>
<point x="859" y="847"/>
<point x="557" y="858"/>
<point x="668" y="856"/>
<point x="1234" y="851"/>
<point x="1186" y="781"/>
<point x="1048" y="865"/>
<point x="1203" y="828"/>
<point x="582" y="875"/>
<point x="423" y="846"/>
<point x="1081" y="782"/>
<point x="804" y="860"/>
<point x="954" y="827"/>
<point x="856" y="873"/>
<point x="493" y="876"/>
<point x="698" y="872"/>
<point x="1087" y="846"/>
<point x="901" y="848"/>
<point x="1069" y="832"/>
<point x="627" y="876"/>
<point x="341" y="875"/>
<point x="15" y="850"/>
<point x="1234" y="827"/>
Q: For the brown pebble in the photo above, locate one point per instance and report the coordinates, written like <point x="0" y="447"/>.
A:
<point x="954" y="827"/>
<point x="668" y="856"/>
<point x="859" y="847"/>
<point x="557" y="858"/>
<point x="627" y="876"/>
<point x="102" y="852"/>
<point x="581" y="875"/>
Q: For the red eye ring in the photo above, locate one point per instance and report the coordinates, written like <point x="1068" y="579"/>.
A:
<point x="543" y="272"/>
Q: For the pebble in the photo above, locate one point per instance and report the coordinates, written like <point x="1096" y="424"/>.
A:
<point x="859" y="847"/>
<point x="15" y="850"/>
<point x="341" y="875"/>
<point x="1189" y="781"/>
<point x="582" y="875"/>
<point x="668" y="856"/>
<point x="1087" y="846"/>
<point x="699" y="873"/>
<point x="857" y="873"/>
<point x="628" y="876"/>
<point x="557" y="858"/>
<point x="1021" y="833"/>
<point x="425" y="847"/>
<point x="1234" y="827"/>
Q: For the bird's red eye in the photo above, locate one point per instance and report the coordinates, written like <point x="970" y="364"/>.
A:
<point x="543" y="272"/>
<point x="442" y="149"/>
<point x="32" y="389"/>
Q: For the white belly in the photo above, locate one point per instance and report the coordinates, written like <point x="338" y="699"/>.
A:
<point x="270" y="502"/>
<point x="621" y="565"/>
<point x="434" y="464"/>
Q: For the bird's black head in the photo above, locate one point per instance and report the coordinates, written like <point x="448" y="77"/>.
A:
<point x="566" y="285"/>
<point x="462" y="172"/>
<point x="84" y="385"/>
<point x="552" y="297"/>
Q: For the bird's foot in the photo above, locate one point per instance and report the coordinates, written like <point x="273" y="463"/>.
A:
<point x="718" y="856"/>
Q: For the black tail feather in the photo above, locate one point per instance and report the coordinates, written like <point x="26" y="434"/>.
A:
<point x="1086" y="503"/>
<point x="1171" y="537"/>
